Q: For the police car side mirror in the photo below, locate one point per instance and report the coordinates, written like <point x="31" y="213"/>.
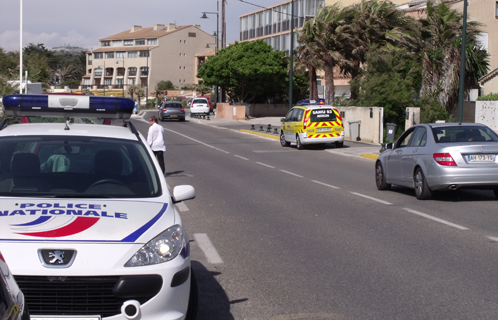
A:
<point x="282" y="120"/>
<point x="182" y="193"/>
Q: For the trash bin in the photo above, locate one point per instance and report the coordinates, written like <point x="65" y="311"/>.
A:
<point x="354" y="130"/>
<point x="391" y="131"/>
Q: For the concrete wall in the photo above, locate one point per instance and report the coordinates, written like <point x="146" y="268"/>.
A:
<point x="227" y="111"/>
<point x="369" y="119"/>
<point x="487" y="113"/>
<point x="268" y="110"/>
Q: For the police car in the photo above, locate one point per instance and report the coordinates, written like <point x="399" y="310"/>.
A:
<point x="87" y="222"/>
<point x="12" y="305"/>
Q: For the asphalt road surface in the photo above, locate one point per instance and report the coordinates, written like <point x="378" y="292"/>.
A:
<point x="283" y="234"/>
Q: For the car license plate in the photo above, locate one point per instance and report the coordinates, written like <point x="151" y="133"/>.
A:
<point x="323" y="129"/>
<point x="481" y="158"/>
<point x="174" y="115"/>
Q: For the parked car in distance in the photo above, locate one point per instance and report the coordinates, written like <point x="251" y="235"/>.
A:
<point x="200" y="106"/>
<point x="211" y="104"/>
<point x="440" y="156"/>
<point x="171" y="110"/>
<point x="12" y="305"/>
<point x="312" y="124"/>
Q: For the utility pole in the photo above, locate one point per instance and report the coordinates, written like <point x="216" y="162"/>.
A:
<point x="223" y="26"/>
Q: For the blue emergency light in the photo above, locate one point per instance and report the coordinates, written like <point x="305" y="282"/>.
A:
<point x="68" y="106"/>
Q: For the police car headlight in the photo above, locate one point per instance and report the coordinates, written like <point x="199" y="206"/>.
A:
<point x="165" y="247"/>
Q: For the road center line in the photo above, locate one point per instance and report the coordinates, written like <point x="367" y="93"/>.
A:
<point x="207" y="247"/>
<point x="240" y="157"/>
<point x="435" y="219"/>
<point x="371" y="198"/>
<point x="291" y="173"/>
<point x="266" y="165"/>
<point x="200" y="142"/>
<point x="325" y="184"/>
<point x="182" y="206"/>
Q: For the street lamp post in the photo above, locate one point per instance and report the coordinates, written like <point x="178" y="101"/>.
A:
<point x="20" y="51"/>
<point x="462" y="64"/>
<point x="291" y="53"/>
<point x="147" y="81"/>
<point x="204" y="16"/>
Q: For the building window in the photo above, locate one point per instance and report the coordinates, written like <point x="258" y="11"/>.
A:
<point x="98" y="55"/>
<point x="144" y="71"/>
<point x="151" y="41"/>
<point x="107" y="82"/>
<point x="109" y="55"/>
<point x="192" y="35"/>
<point x="98" y="72"/>
<point x="117" y="43"/>
<point x="120" y="54"/>
<point x="133" y="54"/>
<point x="128" y="42"/>
<point x="140" y="42"/>
<point x="144" y="53"/>
<point x="105" y="44"/>
<point x="131" y="81"/>
<point x="496" y="10"/>
<point x="132" y="71"/>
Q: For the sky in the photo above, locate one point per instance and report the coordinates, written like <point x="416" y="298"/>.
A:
<point x="56" y="23"/>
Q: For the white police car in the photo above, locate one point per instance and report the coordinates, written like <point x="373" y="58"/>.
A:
<point x="86" y="221"/>
<point x="12" y="305"/>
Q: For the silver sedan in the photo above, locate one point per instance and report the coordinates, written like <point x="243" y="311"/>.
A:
<point x="440" y="156"/>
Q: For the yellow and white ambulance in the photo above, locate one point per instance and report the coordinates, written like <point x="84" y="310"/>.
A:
<point x="312" y="124"/>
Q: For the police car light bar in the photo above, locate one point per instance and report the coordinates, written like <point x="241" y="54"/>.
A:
<point x="68" y="106"/>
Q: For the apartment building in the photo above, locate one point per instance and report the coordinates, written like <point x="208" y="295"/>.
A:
<point x="145" y="56"/>
<point x="273" y="24"/>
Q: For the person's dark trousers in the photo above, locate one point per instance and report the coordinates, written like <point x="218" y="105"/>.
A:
<point x="160" y="157"/>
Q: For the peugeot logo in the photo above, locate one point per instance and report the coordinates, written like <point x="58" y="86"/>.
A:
<point x="57" y="258"/>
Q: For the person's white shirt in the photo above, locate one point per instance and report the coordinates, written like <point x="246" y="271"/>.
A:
<point x="156" y="137"/>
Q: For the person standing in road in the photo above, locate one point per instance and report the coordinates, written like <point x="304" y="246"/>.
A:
<point x="156" y="138"/>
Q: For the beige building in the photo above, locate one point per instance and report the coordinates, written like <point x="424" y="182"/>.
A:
<point x="145" y="56"/>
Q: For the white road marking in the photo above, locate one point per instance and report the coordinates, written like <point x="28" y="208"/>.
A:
<point x="291" y="173"/>
<point x="435" y="219"/>
<point x="324" y="184"/>
<point x="182" y="206"/>
<point x="207" y="247"/>
<point x="200" y="142"/>
<point x="240" y="157"/>
<point x="266" y="165"/>
<point x="371" y="198"/>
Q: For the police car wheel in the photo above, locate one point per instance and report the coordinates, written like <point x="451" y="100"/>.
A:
<point x="339" y="144"/>
<point x="299" y="145"/>
<point x="282" y="140"/>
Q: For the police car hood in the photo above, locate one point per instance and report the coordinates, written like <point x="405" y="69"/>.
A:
<point x="119" y="221"/>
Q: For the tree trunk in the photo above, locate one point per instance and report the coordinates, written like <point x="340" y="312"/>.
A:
<point x="329" y="89"/>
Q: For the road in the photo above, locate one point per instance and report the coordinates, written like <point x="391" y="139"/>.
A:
<point x="283" y="234"/>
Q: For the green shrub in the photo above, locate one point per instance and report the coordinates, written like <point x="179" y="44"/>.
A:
<point x="488" y="97"/>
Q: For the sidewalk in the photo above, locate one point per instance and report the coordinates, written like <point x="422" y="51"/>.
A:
<point x="266" y="126"/>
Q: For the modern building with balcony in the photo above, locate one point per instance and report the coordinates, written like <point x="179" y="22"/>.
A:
<point x="145" y="56"/>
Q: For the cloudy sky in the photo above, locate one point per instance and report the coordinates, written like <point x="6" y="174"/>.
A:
<point x="81" y="23"/>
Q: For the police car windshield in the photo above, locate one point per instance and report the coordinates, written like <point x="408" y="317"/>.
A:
<point x="322" y="115"/>
<point x="52" y="166"/>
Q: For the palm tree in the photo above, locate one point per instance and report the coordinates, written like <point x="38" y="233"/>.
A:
<point x="307" y="57"/>
<point x="375" y="23"/>
<point x="329" y="35"/>
<point x="442" y="32"/>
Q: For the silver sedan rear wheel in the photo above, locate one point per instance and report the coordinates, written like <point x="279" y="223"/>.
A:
<point x="422" y="190"/>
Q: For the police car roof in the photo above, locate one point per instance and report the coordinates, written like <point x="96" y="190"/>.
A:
<point x="75" y="129"/>
<point x="68" y="106"/>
